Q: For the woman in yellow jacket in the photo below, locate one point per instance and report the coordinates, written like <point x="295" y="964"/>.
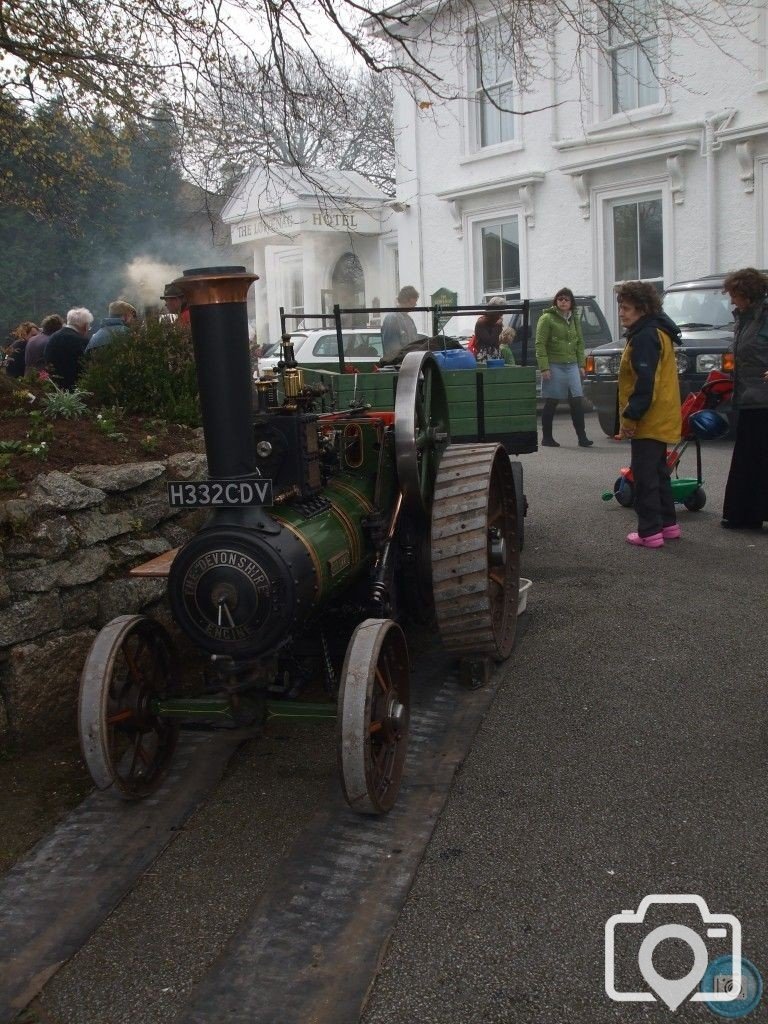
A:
<point x="649" y="409"/>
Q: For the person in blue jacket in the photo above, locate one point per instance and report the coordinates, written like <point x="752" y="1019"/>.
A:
<point x="121" y="315"/>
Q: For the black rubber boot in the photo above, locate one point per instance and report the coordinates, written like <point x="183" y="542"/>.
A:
<point x="547" y="419"/>
<point x="577" y="415"/>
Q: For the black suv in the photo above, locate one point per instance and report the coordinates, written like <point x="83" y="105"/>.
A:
<point x="703" y="314"/>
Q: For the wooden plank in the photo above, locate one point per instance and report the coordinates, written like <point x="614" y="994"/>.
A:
<point x="509" y="407"/>
<point x="159" y="566"/>
<point x="509" y="374"/>
<point x="509" y="425"/>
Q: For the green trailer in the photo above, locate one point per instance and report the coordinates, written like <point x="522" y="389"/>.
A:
<point x="497" y="404"/>
<point x="485" y="404"/>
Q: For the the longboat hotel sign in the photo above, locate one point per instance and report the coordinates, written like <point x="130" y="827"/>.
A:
<point x="279" y="224"/>
<point x="304" y="220"/>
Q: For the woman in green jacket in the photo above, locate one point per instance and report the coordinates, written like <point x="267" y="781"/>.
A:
<point x="560" y="355"/>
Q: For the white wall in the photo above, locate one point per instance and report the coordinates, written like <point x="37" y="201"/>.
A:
<point x="710" y="220"/>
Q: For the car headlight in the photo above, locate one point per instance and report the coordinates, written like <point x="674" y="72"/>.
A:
<point x="682" y="362"/>
<point x="607" y="366"/>
<point x="709" y="361"/>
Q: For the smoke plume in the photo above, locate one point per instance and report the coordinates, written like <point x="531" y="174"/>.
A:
<point x="145" y="278"/>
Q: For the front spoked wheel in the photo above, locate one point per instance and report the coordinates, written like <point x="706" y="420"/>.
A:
<point x="126" y="745"/>
<point x="374" y="707"/>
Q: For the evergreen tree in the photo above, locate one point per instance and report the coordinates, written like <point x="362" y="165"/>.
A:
<point x="81" y="205"/>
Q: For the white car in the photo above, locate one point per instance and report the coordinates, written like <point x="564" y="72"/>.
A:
<point x="319" y="349"/>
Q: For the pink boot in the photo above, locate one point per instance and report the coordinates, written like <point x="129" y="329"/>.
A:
<point x="672" y="532"/>
<point x="656" y="540"/>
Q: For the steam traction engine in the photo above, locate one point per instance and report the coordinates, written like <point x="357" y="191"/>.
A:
<point x="310" y="515"/>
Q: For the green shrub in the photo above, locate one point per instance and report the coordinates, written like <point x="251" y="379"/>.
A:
<point x="149" y="371"/>
<point x="66" y="405"/>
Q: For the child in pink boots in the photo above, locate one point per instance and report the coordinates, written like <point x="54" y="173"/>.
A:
<point x="649" y="406"/>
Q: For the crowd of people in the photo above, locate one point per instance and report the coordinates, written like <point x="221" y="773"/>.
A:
<point x="60" y="346"/>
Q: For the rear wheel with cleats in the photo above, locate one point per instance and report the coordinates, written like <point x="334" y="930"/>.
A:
<point x="475" y="551"/>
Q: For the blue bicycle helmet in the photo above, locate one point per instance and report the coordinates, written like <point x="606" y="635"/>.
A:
<point x="708" y="425"/>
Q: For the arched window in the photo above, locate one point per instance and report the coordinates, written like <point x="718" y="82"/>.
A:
<point x="348" y="284"/>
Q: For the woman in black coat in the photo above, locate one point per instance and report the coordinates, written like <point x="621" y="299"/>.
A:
<point x="746" y="492"/>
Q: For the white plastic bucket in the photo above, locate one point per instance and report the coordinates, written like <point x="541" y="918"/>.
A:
<point x="522" y="598"/>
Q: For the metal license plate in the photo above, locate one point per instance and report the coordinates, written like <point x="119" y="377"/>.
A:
<point x="218" y="493"/>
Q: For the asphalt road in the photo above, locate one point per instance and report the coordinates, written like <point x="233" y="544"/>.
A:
<point x="624" y="756"/>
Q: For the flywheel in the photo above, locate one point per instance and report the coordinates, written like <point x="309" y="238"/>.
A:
<point x="475" y="552"/>
<point x="421" y="429"/>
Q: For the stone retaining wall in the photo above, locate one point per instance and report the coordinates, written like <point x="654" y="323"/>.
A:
<point x="65" y="554"/>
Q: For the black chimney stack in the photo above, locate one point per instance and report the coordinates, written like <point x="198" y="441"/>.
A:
<point x="216" y="297"/>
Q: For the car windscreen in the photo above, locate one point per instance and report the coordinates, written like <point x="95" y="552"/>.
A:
<point x="459" y="327"/>
<point x="698" y="308"/>
<point x="594" y="327"/>
<point x="356" y="345"/>
<point x="273" y="350"/>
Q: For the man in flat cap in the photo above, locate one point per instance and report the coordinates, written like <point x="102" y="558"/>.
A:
<point x="173" y="297"/>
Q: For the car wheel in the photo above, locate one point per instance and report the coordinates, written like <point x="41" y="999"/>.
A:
<point x="624" y="492"/>
<point x="609" y="421"/>
<point x="695" y="502"/>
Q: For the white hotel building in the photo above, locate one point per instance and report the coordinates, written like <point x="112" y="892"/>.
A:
<point x="652" y="162"/>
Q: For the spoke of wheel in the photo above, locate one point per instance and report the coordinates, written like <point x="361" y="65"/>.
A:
<point x="119" y="683"/>
<point x="380" y="757"/>
<point x="498" y="579"/>
<point x="421" y="414"/>
<point x="496" y="512"/>
<point x="133" y="667"/>
<point x="428" y="392"/>
<point x="121" y="716"/>
<point x="425" y="471"/>
<point x="381" y="680"/>
<point x="387" y="659"/>
<point x="136" y="749"/>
